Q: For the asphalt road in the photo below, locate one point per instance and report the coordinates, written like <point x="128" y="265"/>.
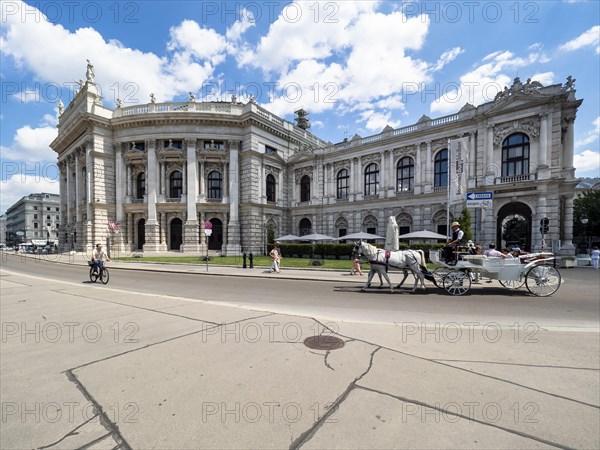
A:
<point x="575" y="304"/>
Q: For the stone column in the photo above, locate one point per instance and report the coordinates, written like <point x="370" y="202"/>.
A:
<point x="77" y="189"/>
<point x="68" y="210"/>
<point x="119" y="182"/>
<point x="279" y="198"/>
<point x="190" y="228"/>
<point x="163" y="169"/>
<point x="418" y="170"/>
<point x="184" y="190"/>
<point x="427" y="179"/>
<point x="567" y="247"/>
<point x="89" y="168"/>
<point x="392" y="174"/>
<point x="359" y="179"/>
<point x="225" y="184"/>
<point x="152" y="239"/>
<point x="383" y="176"/>
<point x="569" y="148"/>
<point x="489" y="155"/>
<point x="233" y="246"/>
<point x="202" y="183"/>
<point x="163" y="234"/>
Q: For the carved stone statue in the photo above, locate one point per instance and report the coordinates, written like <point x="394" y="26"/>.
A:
<point x="192" y="97"/>
<point x="89" y="73"/>
<point x="233" y="99"/>
<point x="251" y="99"/>
<point x="570" y="84"/>
<point x="61" y="107"/>
<point x="392" y="234"/>
<point x="119" y="103"/>
<point x="152" y="98"/>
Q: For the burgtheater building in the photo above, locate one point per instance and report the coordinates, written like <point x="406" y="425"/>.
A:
<point x="161" y="171"/>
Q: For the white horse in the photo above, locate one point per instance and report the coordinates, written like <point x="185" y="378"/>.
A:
<point x="402" y="259"/>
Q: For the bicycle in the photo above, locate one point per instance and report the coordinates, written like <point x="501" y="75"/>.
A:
<point x="102" y="274"/>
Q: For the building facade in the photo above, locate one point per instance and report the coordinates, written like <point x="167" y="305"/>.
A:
<point x="161" y="171"/>
<point x="37" y="216"/>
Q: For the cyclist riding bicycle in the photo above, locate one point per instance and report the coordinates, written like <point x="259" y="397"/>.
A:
<point x="98" y="258"/>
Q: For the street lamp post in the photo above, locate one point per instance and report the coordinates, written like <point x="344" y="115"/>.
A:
<point x="584" y="222"/>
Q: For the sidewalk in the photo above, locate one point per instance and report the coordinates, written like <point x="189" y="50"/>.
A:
<point x="308" y="273"/>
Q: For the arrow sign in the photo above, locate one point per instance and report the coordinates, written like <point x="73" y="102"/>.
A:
<point x="480" y="196"/>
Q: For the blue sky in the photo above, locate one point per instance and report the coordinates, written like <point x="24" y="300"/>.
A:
<point x="355" y="66"/>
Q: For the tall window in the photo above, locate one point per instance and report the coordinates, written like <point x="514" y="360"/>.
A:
<point x="305" y="227"/>
<point x="140" y="186"/>
<point x="440" y="169"/>
<point x="515" y="155"/>
<point x="343" y="184"/>
<point x="270" y="188"/>
<point x="215" y="185"/>
<point x="371" y="179"/>
<point x="405" y="174"/>
<point x="175" y="184"/>
<point x="305" y="188"/>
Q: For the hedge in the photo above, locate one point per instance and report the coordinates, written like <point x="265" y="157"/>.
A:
<point x="338" y="251"/>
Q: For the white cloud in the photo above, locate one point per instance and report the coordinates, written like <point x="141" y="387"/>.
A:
<point x="589" y="38"/>
<point x="31" y="144"/>
<point x="587" y="163"/>
<point x="20" y="185"/>
<point x="36" y="45"/>
<point x="377" y="121"/>
<point x="235" y="31"/>
<point x="482" y="83"/>
<point x="447" y="57"/>
<point x="590" y="136"/>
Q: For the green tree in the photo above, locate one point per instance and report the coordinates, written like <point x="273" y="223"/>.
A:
<point x="465" y="224"/>
<point x="588" y="205"/>
<point x="270" y="234"/>
<point x="515" y="230"/>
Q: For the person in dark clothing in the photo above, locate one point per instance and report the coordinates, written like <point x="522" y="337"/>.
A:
<point x="455" y="240"/>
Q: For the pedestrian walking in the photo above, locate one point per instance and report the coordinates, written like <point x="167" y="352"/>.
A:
<point x="356" y="266"/>
<point x="275" y="255"/>
<point x="595" y="254"/>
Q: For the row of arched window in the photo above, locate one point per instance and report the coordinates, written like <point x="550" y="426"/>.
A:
<point x="515" y="161"/>
<point x="175" y="190"/>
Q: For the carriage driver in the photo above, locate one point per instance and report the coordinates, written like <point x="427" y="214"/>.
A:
<point x="455" y="240"/>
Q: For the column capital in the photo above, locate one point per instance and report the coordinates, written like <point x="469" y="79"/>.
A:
<point x="150" y="143"/>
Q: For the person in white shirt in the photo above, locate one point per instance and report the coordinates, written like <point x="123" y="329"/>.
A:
<point x="595" y="254"/>
<point x="275" y="255"/>
<point x="491" y="251"/>
<point x="98" y="257"/>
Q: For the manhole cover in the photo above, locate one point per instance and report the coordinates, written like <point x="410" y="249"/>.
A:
<point x="323" y="342"/>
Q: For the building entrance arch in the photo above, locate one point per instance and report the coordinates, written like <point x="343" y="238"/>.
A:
<point x="176" y="234"/>
<point x="514" y="225"/>
<point x="141" y="234"/>
<point x="215" y="240"/>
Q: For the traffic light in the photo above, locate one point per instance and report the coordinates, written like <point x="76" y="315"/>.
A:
<point x="545" y="225"/>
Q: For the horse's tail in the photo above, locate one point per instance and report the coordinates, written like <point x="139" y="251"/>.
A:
<point x="423" y="261"/>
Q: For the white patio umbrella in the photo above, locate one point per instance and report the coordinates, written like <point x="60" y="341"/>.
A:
<point x="316" y="237"/>
<point x="288" y="237"/>
<point x="359" y="236"/>
<point x="425" y="234"/>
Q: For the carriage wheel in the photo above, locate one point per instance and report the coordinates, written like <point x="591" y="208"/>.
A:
<point x="438" y="277"/>
<point x="93" y="275"/>
<point x="542" y="280"/>
<point x="457" y="283"/>
<point x="513" y="284"/>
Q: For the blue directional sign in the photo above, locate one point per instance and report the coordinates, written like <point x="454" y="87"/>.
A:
<point x="480" y="196"/>
<point x="480" y="199"/>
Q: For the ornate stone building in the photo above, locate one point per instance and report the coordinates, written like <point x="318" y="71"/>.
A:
<point x="162" y="170"/>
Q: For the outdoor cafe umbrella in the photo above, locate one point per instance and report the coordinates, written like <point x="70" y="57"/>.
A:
<point x="425" y="234"/>
<point x="359" y="236"/>
<point x="288" y="237"/>
<point x="316" y="237"/>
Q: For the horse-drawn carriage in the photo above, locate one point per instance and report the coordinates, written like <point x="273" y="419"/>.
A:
<point x="536" y="271"/>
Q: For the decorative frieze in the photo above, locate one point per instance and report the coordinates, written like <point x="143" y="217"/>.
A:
<point x="373" y="158"/>
<point x="530" y="126"/>
<point x="299" y="173"/>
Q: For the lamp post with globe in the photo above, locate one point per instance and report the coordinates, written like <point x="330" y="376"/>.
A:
<point x="584" y="222"/>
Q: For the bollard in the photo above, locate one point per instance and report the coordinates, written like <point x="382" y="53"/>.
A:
<point x="251" y="260"/>
<point x="244" y="265"/>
